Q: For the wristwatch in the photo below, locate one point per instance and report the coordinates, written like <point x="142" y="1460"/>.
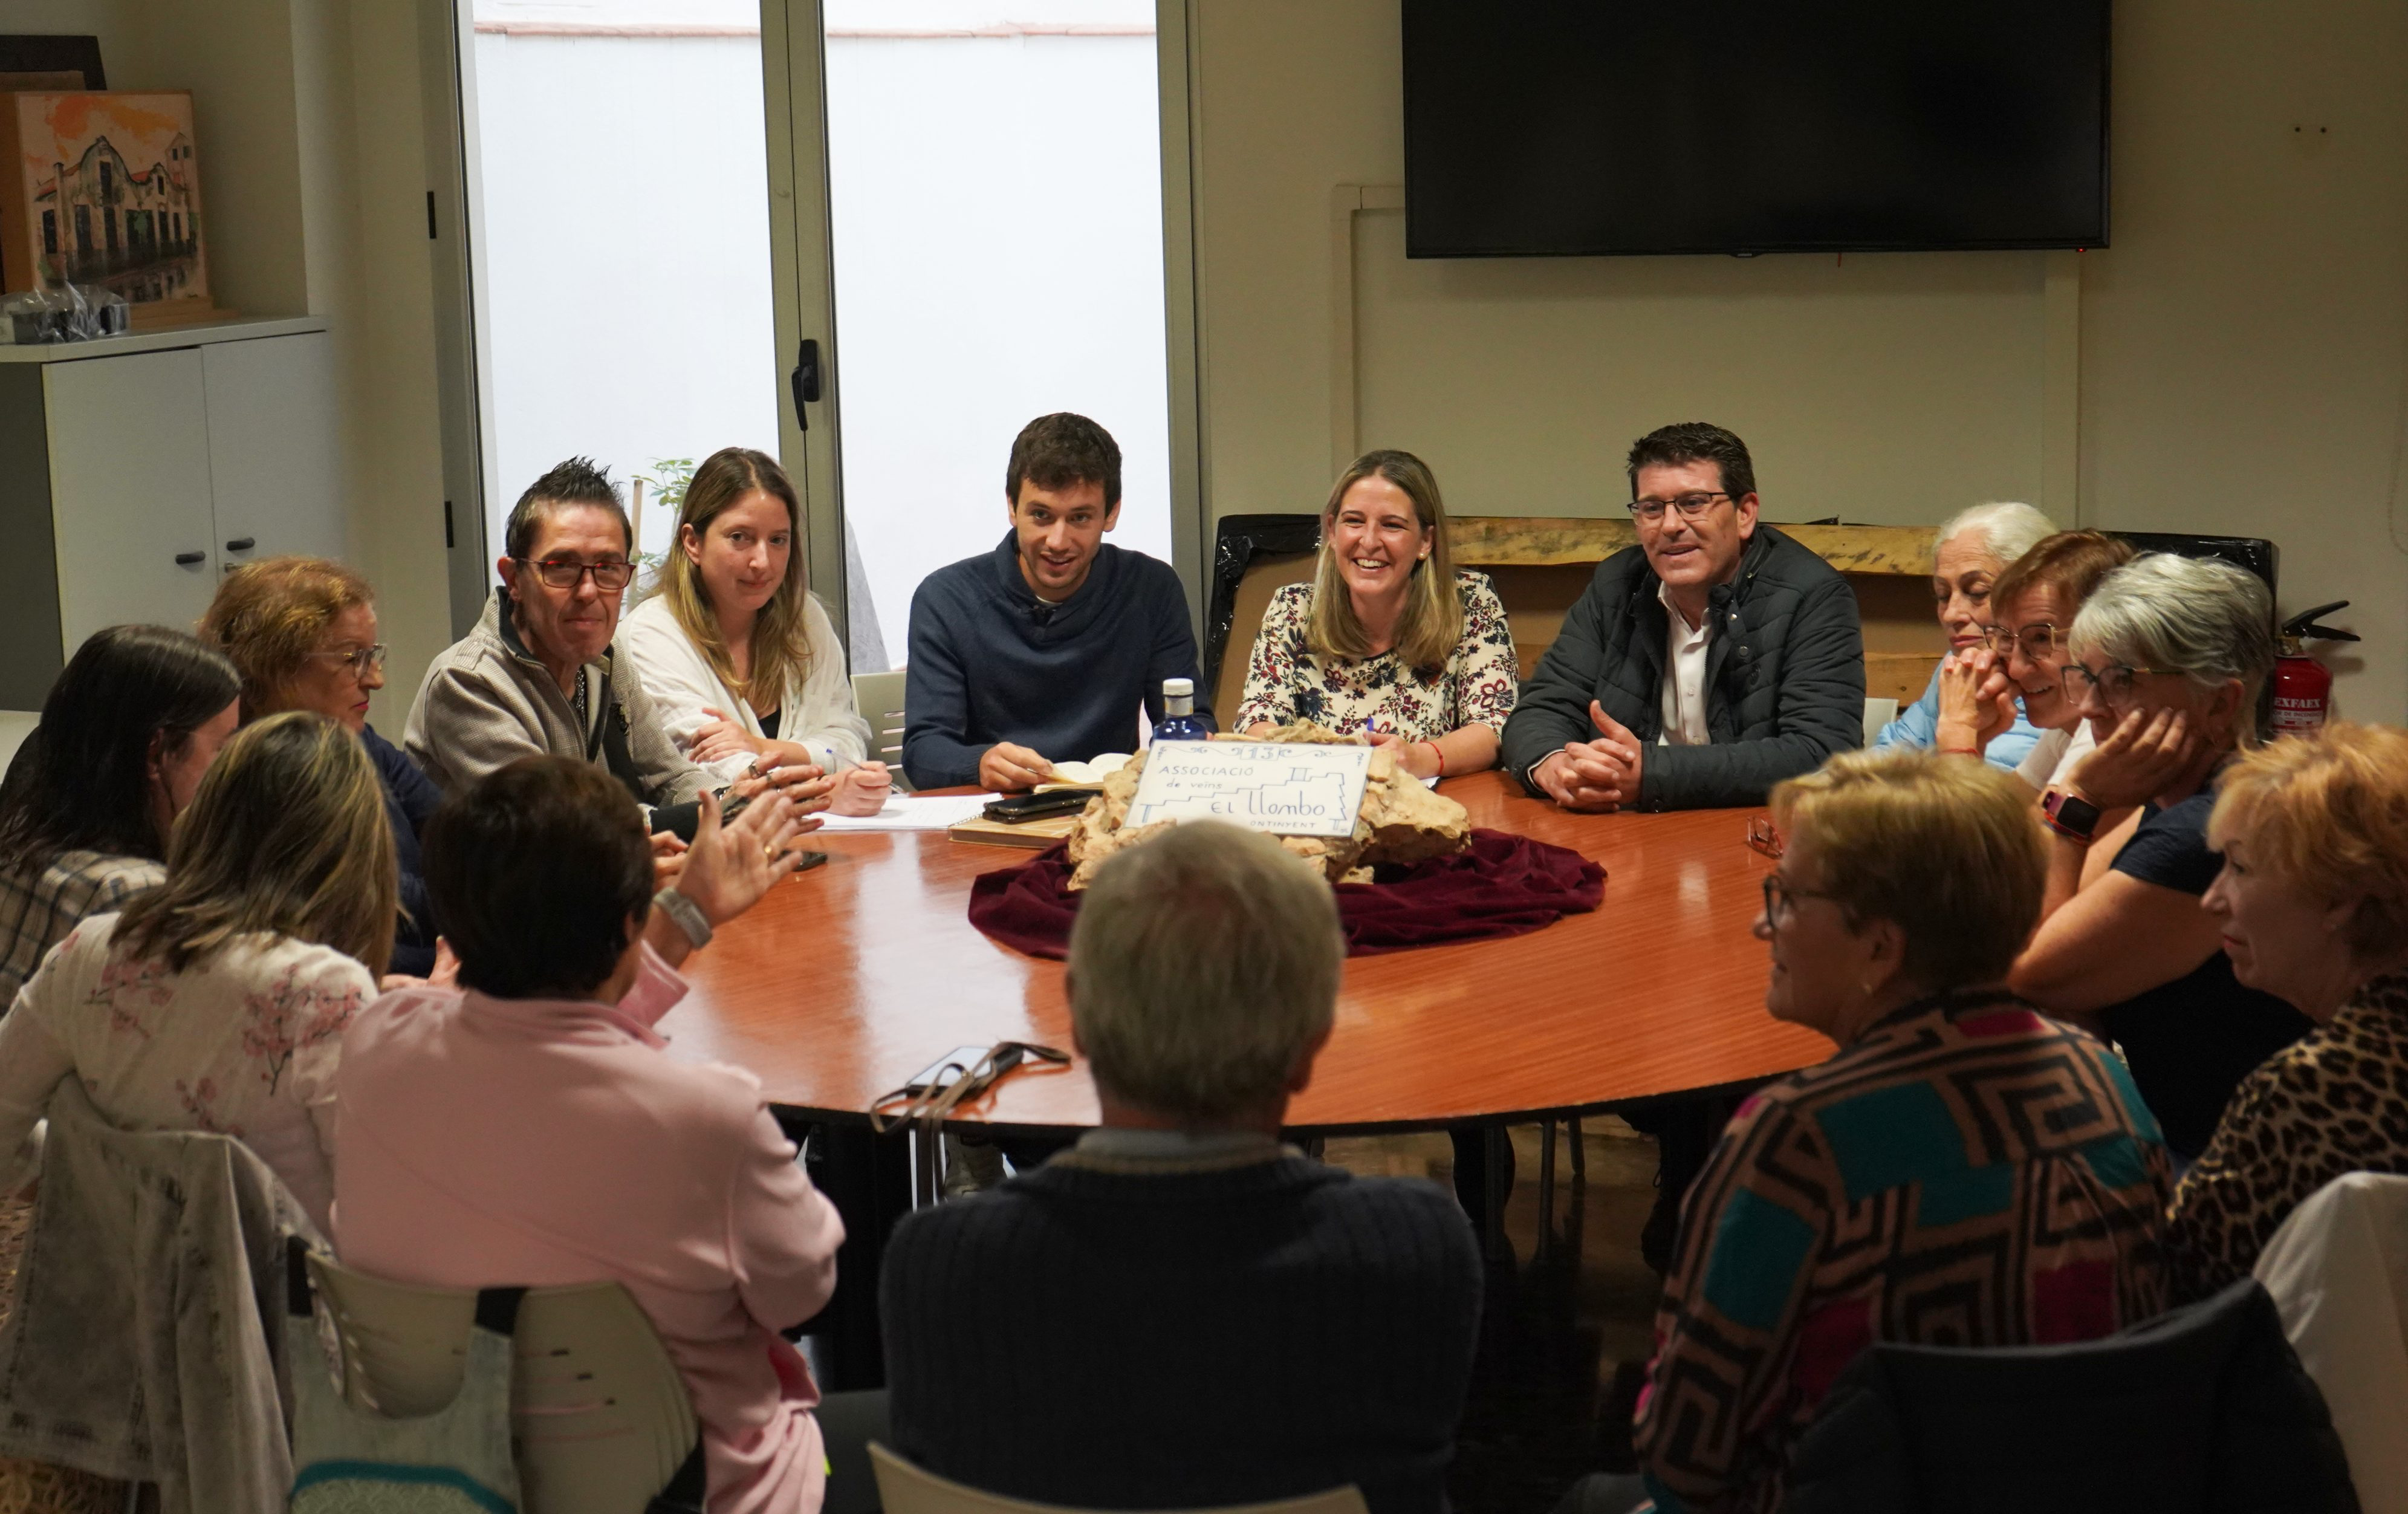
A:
<point x="2069" y="817"/>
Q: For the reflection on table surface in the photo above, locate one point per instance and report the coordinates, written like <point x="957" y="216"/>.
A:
<point x="851" y="977"/>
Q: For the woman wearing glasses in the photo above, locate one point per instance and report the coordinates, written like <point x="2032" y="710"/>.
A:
<point x="1969" y="708"/>
<point x="1866" y="1198"/>
<point x="2032" y="606"/>
<point x="741" y="659"/>
<point x="303" y="633"/>
<point x="1389" y="640"/>
<point x="2170" y="660"/>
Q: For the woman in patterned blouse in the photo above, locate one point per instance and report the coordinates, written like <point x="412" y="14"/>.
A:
<point x="2313" y="904"/>
<point x="1388" y="639"/>
<point x="217" y="1002"/>
<point x="1961" y="1171"/>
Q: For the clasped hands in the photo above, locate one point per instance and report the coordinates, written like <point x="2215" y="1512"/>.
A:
<point x="1977" y="703"/>
<point x="1595" y="776"/>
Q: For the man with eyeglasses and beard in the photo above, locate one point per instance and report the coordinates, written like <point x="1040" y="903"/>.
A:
<point x="1702" y="666"/>
<point x="538" y="675"/>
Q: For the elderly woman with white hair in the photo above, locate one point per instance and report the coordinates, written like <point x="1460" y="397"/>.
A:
<point x="1969" y="707"/>
<point x="2170" y="658"/>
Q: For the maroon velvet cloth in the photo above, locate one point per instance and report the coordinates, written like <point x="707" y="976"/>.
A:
<point x="1504" y="885"/>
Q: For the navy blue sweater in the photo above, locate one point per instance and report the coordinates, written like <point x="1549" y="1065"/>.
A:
<point x="409" y="799"/>
<point x="1108" y="1338"/>
<point x="990" y="662"/>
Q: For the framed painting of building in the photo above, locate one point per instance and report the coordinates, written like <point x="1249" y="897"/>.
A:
<point x="102" y="187"/>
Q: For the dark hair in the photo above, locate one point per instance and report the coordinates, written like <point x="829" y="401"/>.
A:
<point x="1057" y="451"/>
<point x="1694" y="441"/>
<point x="533" y="872"/>
<point x="82" y="781"/>
<point x="579" y="481"/>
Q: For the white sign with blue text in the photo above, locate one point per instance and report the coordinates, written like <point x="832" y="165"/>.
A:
<point x="1288" y="788"/>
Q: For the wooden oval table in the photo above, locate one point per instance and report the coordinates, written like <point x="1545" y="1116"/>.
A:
<point x="851" y="977"/>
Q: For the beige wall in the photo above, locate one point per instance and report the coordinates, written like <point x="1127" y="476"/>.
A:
<point x="2235" y="362"/>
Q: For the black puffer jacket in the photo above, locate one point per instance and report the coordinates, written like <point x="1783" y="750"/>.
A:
<point x="1785" y="677"/>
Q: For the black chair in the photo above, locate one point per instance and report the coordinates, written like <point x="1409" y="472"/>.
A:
<point x="2202" y="1410"/>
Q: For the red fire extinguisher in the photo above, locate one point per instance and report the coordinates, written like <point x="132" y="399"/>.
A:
<point x="2303" y="685"/>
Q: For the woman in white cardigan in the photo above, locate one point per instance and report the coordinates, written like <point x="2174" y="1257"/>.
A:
<point x="735" y="651"/>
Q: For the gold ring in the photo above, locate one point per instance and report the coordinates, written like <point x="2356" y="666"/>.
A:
<point x="769" y="854"/>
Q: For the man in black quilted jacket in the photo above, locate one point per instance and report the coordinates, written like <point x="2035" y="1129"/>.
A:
<point x="1704" y="665"/>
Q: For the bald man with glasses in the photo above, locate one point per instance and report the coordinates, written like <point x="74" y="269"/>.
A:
<point x="1703" y="665"/>
<point x="539" y="674"/>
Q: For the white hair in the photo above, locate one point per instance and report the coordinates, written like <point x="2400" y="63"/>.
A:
<point x="1203" y="965"/>
<point x="2007" y="527"/>
<point x="2204" y="617"/>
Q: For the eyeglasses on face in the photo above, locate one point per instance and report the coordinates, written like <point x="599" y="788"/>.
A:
<point x="1691" y="506"/>
<point x="356" y="660"/>
<point x="2039" y="639"/>
<point x="2113" y="681"/>
<point x="1781" y="898"/>
<point x="610" y="574"/>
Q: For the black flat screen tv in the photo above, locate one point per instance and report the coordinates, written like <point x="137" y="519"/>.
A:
<point x="1569" y="127"/>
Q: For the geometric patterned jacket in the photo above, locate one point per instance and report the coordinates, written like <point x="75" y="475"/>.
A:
<point x="1968" y="1173"/>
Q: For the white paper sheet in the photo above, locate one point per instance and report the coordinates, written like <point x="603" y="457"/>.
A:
<point x="907" y="811"/>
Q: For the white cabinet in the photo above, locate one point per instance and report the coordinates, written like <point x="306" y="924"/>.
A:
<point x="132" y="480"/>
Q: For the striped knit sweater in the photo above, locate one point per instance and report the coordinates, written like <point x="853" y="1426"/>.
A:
<point x="1121" y="1333"/>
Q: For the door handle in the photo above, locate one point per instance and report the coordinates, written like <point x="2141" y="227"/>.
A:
<point x="191" y="559"/>
<point x="805" y="380"/>
<point x="242" y="543"/>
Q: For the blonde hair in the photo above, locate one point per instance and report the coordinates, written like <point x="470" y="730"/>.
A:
<point x="269" y="615"/>
<point x="1432" y="623"/>
<point x="287" y="834"/>
<point x="2326" y="813"/>
<point x="782" y="632"/>
<point x="1203" y="965"/>
<point x="1945" y="849"/>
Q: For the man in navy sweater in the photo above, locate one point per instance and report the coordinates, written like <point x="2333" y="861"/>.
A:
<point x="1179" y="1311"/>
<point x="1041" y="651"/>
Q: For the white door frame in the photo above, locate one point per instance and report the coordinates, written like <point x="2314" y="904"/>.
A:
<point x="802" y="269"/>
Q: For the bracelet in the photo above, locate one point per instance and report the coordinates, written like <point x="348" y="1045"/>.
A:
<point x="687" y="913"/>
<point x="1436" y="756"/>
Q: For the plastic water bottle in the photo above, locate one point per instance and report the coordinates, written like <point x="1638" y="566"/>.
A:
<point x="1180" y="721"/>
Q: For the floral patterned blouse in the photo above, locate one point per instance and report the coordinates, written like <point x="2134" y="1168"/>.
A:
<point x="243" y="1042"/>
<point x="1286" y="682"/>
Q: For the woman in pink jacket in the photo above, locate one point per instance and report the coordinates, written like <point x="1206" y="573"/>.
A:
<point x="526" y="1129"/>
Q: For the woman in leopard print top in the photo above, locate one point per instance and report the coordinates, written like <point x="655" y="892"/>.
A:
<point x="2312" y="901"/>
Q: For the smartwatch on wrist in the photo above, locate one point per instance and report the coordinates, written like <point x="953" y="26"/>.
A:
<point x="2077" y="819"/>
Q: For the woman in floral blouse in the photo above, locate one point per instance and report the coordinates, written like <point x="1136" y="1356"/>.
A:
<point x="217" y="1002"/>
<point x="1388" y="639"/>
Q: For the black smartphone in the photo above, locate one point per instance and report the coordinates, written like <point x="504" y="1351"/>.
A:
<point x="948" y="1069"/>
<point x="1024" y="807"/>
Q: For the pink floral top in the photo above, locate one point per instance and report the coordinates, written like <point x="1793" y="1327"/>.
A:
<point x="1285" y="682"/>
<point x="244" y="1043"/>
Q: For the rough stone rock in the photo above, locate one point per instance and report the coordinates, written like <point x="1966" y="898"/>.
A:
<point x="1403" y="821"/>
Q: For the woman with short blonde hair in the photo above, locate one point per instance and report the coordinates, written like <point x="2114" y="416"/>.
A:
<point x="303" y="632"/>
<point x="1389" y="641"/>
<point x="1863" y="1199"/>
<point x="736" y="653"/>
<point x="218" y="1000"/>
<point x="2313" y="906"/>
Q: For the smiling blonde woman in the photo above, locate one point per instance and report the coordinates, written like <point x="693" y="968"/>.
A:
<point x="1390" y="640"/>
